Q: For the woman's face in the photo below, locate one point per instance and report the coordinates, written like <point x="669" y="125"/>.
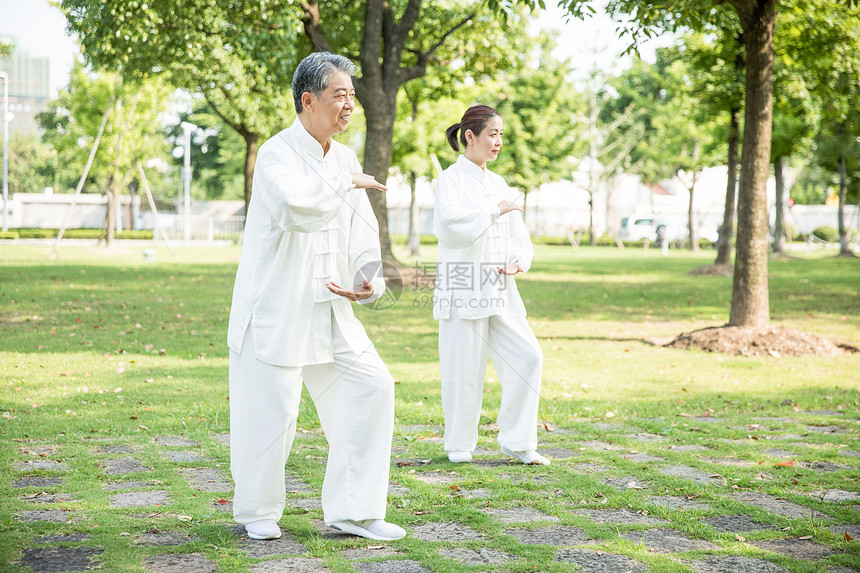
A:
<point x="486" y="145"/>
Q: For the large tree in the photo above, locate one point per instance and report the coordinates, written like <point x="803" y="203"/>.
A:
<point x="394" y="43"/>
<point x="239" y="54"/>
<point x="72" y="122"/>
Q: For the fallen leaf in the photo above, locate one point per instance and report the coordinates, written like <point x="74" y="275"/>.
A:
<point x="785" y="464"/>
<point x="805" y="537"/>
<point x="848" y="537"/>
<point x="740" y="537"/>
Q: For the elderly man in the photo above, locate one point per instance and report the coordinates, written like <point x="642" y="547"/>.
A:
<point x="311" y="246"/>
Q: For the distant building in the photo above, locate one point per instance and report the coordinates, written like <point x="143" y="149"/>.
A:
<point x="29" y="89"/>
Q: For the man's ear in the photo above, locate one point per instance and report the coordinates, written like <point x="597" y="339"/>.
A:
<point x="308" y="101"/>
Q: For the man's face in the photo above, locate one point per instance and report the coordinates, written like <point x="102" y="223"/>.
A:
<point x="330" y="113"/>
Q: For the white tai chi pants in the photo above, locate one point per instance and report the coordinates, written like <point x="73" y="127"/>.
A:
<point x="354" y="397"/>
<point x="517" y="358"/>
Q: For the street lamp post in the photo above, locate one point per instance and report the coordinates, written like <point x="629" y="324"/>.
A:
<point x="187" y="128"/>
<point x="5" y="77"/>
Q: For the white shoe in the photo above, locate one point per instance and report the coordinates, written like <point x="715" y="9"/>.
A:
<point x="528" y="457"/>
<point x="459" y="456"/>
<point x="378" y="529"/>
<point x="263" y="529"/>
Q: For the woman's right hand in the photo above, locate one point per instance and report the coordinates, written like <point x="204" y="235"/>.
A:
<point x="507" y="207"/>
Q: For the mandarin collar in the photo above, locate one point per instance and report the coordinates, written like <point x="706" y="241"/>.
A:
<point x="470" y="168"/>
<point x="307" y="142"/>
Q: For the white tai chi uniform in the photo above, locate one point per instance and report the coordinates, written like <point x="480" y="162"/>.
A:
<point x="480" y="311"/>
<point x="307" y="226"/>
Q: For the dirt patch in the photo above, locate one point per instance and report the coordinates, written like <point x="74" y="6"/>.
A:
<point x="714" y="271"/>
<point x="775" y="341"/>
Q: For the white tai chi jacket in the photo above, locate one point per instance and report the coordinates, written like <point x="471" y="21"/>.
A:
<point x="306" y="226"/>
<point x="473" y="241"/>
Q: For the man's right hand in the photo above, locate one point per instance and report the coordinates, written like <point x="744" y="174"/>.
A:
<point x="363" y="180"/>
<point x="507" y="207"/>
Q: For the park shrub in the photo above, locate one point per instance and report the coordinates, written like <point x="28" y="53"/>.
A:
<point x="8" y="235"/>
<point x="29" y="233"/>
<point x="827" y="234"/>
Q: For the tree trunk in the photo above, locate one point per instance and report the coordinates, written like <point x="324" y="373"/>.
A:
<point x="378" y="103"/>
<point x="252" y="145"/>
<point x="414" y="217"/>
<point x="111" y="211"/>
<point x="843" y="190"/>
<point x="778" y="223"/>
<point x="727" y="232"/>
<point x="750" y="303"/>
<point x="691" y="216"/>
<point x="133" y="210"/>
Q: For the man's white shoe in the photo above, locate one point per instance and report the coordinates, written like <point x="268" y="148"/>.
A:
<point x="378" y="529"/>
<point x="263" y="529"/>
<point x="528" y="457"/>
<point x="459" y="456"/>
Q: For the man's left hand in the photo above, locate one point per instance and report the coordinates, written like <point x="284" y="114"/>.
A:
<point x="366" y="291"/>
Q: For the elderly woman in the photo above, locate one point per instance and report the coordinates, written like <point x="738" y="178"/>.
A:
<point x="483" y="243"/>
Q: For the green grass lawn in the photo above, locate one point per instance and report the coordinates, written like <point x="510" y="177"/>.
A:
<point x="100" y="347"/>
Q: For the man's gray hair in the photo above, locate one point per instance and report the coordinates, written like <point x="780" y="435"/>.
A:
<point x="313" y="73"/>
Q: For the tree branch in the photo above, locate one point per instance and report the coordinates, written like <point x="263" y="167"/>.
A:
<point x="311" y="23"/>
<point x="420" y="68"/>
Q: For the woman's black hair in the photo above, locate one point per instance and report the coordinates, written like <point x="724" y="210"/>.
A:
<point x="475" y="120"/>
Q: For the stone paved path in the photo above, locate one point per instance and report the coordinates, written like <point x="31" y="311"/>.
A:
<point x="617" y="498"/>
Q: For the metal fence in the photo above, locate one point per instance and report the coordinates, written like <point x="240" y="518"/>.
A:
<point x="195" y="227"/>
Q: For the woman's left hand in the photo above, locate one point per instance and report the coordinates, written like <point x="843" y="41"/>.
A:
<point x="366" y="291"/>
<point x="512" y="269"/>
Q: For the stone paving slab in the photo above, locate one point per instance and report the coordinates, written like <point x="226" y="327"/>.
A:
<point x="439" y="531"/>
<point x="852" y="529"/>
<point x="395" y="488"/>
<point x="625" y="482"/>
<point x="645" y="437"/>
<point x="599" y="446"/>
<point x="779" y="453"/>
<point x="175" y="441"/>
<point x="774" y="505"/>
<point x="668" y="541"/>
<point x="127" y="485"/>
<point x="208" y="479"/>
<point x="293" y="565"/>
<point x="644" y="458"/>
<point x="797" y="548"/>
<point x="587" y="468"/>
<point x="524" y="479"/>
<point x="483" y="556"/>
<point x="49" y="515"/>
<point x="392" y="566"/>
<point x="179" y="563"/>
<point x="184" y="457"/>
<point x="735" y="564"/>
<point x="620" y="516"/>
<point x="558" y="453"/>
<point x="678" y="503"/>
<point x="692" y="474"/>
<point x="835" y="495"/>
<point x="45" y="497"/>
<point x="41" y="451"/>
<point x="140" y="498"/>
<point x="477" y="493"/>
<point x="306" y="503"/>
<point x="163" y="539"/>
<point x="60" y="558"/>
<point x="731" y="462"/>
<point x="827" y="467"/>
<point x="851" y="453"/>
<point x="599" y="561"/>
<point x="690" y="448"/>
<point x="258" y="549"/>
<point x="732" y="523"/>
<point x="562" y="535"/>
<point x="70" y="538"/>
<point x="121" y="466"/>
<point x="34" y="481"/>
<point x="438" y="478"/>
<point x="519" y="515"/>
<point x="370" y="552"/>
<point x="116" y="449"/>
<point x="223" y="439"/>
<point x="46" y="465"/>
<point x="295" y="485"/>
